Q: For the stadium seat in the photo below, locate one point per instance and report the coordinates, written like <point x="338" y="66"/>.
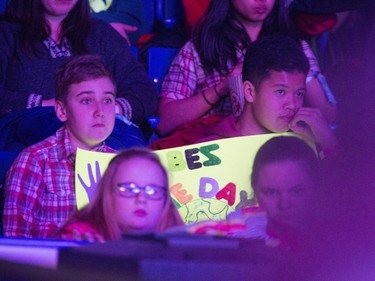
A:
<point x="6" y="160"/>
<point x="134" y="51"/>
<point x="159" y="60"/>
<point x="149" y="6"/>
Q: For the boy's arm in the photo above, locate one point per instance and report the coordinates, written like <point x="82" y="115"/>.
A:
<point x="22" y="190"/>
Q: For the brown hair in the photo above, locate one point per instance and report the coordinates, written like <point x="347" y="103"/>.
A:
<point x="100" y="212"/>
<point x="282" y="148"/>
<point x="76" y="70"/>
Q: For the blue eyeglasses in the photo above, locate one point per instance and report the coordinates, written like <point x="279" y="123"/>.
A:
<point x="130" y="190"/>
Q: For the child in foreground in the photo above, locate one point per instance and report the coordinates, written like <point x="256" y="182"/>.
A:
<point x="132" y="198"/>
<point x="285" y="179"/>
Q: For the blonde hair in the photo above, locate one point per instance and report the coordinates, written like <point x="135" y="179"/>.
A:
<point x="100" y="212"/>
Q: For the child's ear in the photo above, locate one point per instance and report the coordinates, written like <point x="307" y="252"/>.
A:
<point x="249" y="91"/>
<point x="60" y="111"/>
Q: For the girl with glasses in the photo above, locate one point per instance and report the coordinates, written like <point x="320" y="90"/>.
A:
<point x="132" y="198"/>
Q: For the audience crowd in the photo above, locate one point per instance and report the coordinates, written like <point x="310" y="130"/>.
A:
<point x="69" y="81"/>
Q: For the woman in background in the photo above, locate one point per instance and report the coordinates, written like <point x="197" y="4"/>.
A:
<point x="37" y="36"/>
<point x="197" y="84"/>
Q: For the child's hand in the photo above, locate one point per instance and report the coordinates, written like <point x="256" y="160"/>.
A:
<point x="309" y="122"/>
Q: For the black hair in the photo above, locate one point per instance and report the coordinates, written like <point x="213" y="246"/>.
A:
<point x="30" y="16"/>
<point x="220" y="35"/>
<point x="274" y="52"/>
<point x="279" y="149"/>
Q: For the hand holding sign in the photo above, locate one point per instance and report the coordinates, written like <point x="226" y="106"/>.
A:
<point x="207" y="180"/>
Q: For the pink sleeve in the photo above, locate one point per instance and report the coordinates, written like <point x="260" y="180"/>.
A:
<point x="181" y="79"/>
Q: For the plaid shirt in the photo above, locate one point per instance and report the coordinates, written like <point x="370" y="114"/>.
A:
<point x="186" y="76"/>
<point x="39" y="191"/>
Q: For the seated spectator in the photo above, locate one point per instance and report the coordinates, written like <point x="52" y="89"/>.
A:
<point x="132" y="198"/>
<point x="197" y="82"/>
<point x="274" y="75"/>
<point x="126" y="17"/>
<point x="36" y="37"/>
<point x="39" y="189"/>
<point x="285" y="179"/>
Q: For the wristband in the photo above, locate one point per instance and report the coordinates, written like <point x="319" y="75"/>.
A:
<point x="217" y="93"/>
<point x="205" y="98"/>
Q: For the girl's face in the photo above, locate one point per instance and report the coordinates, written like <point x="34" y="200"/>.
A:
<point x="58" y="9"/>
<point x="286" y="192"/>
<point x="253" y="10"/>
<point x="140" y="195"/>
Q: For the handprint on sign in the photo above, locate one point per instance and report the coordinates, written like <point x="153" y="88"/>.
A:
<point x="90" y="188"/>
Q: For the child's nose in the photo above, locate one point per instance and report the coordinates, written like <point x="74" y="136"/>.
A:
<point x="284" y="202"/>
<point x="141" y="197"/>
<point x="99" y="112"/>
<point x="290" y="103"/>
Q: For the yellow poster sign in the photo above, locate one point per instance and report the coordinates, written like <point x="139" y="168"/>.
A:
<point x="206" y="180"/>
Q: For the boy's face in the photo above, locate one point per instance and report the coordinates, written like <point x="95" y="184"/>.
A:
<point x="89" y="112"/>
<point x="277" y="100"/>
<point x="286" y="192"/>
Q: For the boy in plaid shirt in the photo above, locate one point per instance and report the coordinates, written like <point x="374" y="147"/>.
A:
<point x="39" y="190"/>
